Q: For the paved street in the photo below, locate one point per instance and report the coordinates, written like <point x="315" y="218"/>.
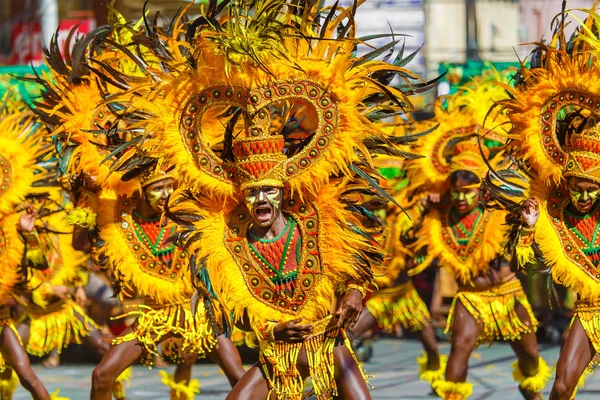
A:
<point x="393" y="366"/>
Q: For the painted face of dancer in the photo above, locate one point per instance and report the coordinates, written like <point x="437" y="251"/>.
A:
<point x="583" y="193"/>
<point x="464" y="196"/>
<point x="157" y="193"/>
<point x="264" y="204"/>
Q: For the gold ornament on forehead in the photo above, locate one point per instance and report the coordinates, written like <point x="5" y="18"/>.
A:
<point x="583" y="152"/>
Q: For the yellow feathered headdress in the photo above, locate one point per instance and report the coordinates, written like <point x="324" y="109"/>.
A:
<point x="22" y="154"/>
<point x="269" y="96"/>
<point x="71" y="99"/>
<point x="460" y="118"/>
<point x="554" y="109"/>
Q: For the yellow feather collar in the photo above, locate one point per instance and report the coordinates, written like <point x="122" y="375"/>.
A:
<point x="468" y="262"/>
<point x="135" y="268"/>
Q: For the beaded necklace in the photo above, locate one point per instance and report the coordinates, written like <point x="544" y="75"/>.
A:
<point x="284" y="281"/>
<point x="461" y="233"/>
<point x="145" y="228"/>
<point x="586" y="228"/>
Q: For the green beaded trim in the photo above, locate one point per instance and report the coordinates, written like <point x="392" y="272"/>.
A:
<point x="285" y="229"/>
<point x="286" y="249"/>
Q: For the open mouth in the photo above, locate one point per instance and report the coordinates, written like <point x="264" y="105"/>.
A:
<point x="263" y="213"/>
<point x="585" y="206"/>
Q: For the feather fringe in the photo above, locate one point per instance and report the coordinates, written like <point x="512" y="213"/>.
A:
<point x="431" y="375"/>
<point x="180" y="390"/>
<point x="399" y="305"/>
<point x="453" y="390"/>
<point x="535" y="383"/>
<point x="9" y="386"/>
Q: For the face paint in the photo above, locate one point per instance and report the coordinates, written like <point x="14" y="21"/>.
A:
<point x="274" y="198"/>
<point x="154" y="196"/>
<point x="577" y="196"/>
<point x="271" y="195"/>
<point x="461" y="196"/>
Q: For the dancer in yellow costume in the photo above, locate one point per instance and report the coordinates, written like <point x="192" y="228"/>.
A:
<point x="21" y="150"/>
<point x="54" y="317"/>
<point x="123" y="220"/>
<point x="266" y="116"/>
<point x="396" y="301"/>
<point x="556" y="131"/>
<point x="468" y="239"/>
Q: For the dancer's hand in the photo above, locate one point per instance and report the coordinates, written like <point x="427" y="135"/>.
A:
<point x="292" y="331"/>
<point x="80" y="296"/>
<point x="27" y="219"/>
<point x="62" y="292"/>
<point x="350" y="309"/>
<point x="530" y="212"/>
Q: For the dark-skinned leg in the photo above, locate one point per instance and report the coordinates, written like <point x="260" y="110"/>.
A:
<point x="228" y="358"/>
<point x="94" y="340"/>
<point x="527" y="352"/>
<point x="349" y="380"/>
<point x="574" y="358"/>
<point x="366" y="322"/>
<point x="464" y="340"/>
<point x="430" y="345"/>
<point x="17" y="358"/>
<point x="252" y="386"/>
<point x="115" y="361"/>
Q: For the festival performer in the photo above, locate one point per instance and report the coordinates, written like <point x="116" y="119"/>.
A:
<point x="266" y="116"/>
<point x="22" y="149"/>
<point x="119" y="222"/>
<point x="396" y="301"/>
<point x="54" y="318"/>
<point x="556" y="131"/>
<point x="490" y="303"/>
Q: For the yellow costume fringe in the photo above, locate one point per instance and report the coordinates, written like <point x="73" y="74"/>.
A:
<point x="180" y="390"/>
<point x="399" y="305"/>
<point x="495" y="309"/>
<point x="56" y="326"/>
<point x="8" y="386"/>
<point x="11" y="253"/>
<point x="121" y="383"/>
<point x="153" y="323"/>
<point x="588" y="313"/>
<point x="279" y="362"/>
<point x="428" y="374"/>
<point x="453" y="390"/>
<point x="56" y="395"/>
<point x="535" y="383"/>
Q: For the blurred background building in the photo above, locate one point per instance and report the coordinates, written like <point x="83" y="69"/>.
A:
<point x="458" y="36"/>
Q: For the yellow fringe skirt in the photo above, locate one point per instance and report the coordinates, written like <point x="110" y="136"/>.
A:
<point x="172" y="325"/>
<point x="6" y="321"/>
<point x="56" y="326"/>
<point x="399" y="305"/>
<point x="279" y="362"/>
<point x="495" y="309"/>
<point x="588" y="313"/>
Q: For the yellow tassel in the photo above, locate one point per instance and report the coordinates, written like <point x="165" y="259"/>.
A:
<point x="431" y="375"/>
<point x="181" y="390"/>
<point x="525" y="255"/>
<point x="36" y="256"/>
<point x="535" y="383"/>
<point x="83" y="217"/>
<point x="8" y="386"/>
<point x="57" y="326"/>
<point x="193" y="333"/>
<point x="399" y="305"/>
<point x="55" y="396"/>
<point x="453" y="390"/>
<point x="495" y="309"/>
<point x="121" y="383"/>
<point x="581" y="382"/>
